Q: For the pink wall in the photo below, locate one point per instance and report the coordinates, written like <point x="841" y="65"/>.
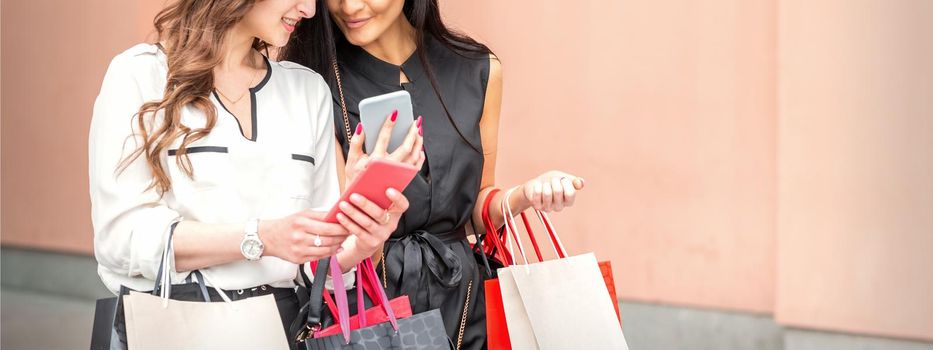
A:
<point x="703" y="189"/>
<point x="667" y="110"/>
<point x="855" y="242"/>
<point x="51" y="74"/>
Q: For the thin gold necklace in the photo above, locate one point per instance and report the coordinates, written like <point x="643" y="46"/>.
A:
<point x="249" y="84"/>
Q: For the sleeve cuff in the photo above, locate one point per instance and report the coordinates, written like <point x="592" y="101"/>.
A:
<point x="147" y="244"/>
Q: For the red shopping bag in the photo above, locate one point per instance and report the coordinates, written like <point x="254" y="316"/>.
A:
<point x="497" y="330"/>
<point x="367" y="282"/>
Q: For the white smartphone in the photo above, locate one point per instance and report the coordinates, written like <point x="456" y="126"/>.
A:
<point x="375" y="110"/>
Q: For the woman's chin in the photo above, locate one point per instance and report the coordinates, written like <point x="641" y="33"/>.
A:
<point x="278" y="41"/>
<point x="359" y="40"/>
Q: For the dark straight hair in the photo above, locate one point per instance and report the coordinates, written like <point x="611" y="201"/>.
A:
<point x="316" y="39"/>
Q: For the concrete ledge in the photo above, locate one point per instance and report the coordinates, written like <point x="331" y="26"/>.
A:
<point x="652" y="326"/>
<point x="36" y="320"/>
<point x="800" y="339"/>
<point x="60" y="274"/>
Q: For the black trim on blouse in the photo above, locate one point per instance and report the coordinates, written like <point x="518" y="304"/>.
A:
<point x="252" y="98"/>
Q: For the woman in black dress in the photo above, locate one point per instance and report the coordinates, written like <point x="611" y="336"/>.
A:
<point x="381" y="46"/>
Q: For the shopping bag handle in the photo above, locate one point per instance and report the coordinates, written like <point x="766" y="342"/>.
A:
<point x="163" y="280"/>
<point x="365" y="282"/>
<point x="513" y="232"/>
<point x="552" y="234"/>
<point x="360" y="290"/>
<point x="495" y="242"/>
<point x="368" y="281"/>
<point x="510" y="233"/>
<point x="321" y="268"/>
<point x="316" y="291"/>
<point x="366" y="276"/>
<point x="370" y="269"/>
<point x="361" y="281"/>
<point x="555" y="239"/>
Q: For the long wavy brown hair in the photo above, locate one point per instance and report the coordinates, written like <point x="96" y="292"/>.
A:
<point x="192" y="33"/>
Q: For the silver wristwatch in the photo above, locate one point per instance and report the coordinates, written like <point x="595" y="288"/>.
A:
<point x="251" y="246"/>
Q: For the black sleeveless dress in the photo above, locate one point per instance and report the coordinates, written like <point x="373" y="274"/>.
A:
<point x="428" y="258"/>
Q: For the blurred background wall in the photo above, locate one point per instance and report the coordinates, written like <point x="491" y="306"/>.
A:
<point x="760" y="172"/>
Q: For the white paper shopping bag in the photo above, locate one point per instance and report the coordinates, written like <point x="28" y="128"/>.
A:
<point x="252" y="323"/>
<point x="557" y="304"/>
<point x="521" y="334"/>
<point x="567" y="304"/>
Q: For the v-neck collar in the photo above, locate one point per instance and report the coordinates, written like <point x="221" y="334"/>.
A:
<point x="253" y="103"/>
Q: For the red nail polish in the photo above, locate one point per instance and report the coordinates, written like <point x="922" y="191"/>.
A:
<point x="394" y="116"/>
<point x="420" y="132"/>
<point x="359" y="128"/>
<point x="419" y="121"/>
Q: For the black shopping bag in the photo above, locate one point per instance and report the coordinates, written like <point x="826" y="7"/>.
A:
<point x="104" y="335"/>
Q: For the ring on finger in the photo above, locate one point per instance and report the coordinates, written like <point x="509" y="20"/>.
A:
<point x="388" y="218"/>
<point x="317" y="241"/>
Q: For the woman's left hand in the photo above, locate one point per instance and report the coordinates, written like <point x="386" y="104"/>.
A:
<point x="552" y="191"/>
<point x="410" y="152"/>
<point x="371" y="224"/>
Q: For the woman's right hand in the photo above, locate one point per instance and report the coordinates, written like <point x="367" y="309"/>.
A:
<point x="293" y="238"/>
<point x="411" y="151"/>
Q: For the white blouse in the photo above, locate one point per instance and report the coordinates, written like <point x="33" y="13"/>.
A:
<point x="288" y="165"/>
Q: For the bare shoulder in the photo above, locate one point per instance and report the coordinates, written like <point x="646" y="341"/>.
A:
<point x="495" y="69"/>
<point x="493" y="90"/>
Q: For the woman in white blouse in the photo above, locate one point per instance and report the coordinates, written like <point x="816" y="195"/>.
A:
<point x="204" y="141"/>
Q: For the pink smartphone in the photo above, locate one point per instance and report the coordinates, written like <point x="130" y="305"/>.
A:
<point x="379" y="176"/>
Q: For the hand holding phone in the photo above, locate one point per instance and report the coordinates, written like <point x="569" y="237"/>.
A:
<point x="374" y="181"/>
<point x="374" y="111"/>
<point x="386" y="131"/>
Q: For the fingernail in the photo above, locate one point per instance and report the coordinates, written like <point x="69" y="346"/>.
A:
<point x="340" y="249"/>
<point x="355" y="197"/>
<point x="420" y="132"/>
<point x="359" y="128"/>
<point x="419" y="122"/>
<point x="394" y="115"/>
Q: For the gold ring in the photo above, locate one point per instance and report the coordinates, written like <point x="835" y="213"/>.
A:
<point x="387" y="219"/>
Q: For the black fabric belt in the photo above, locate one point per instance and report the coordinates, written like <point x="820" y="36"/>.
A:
<point x="409" y="255"/>
<point x="193" y="292"/>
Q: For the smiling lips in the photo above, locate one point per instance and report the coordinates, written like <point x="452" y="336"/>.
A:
<point x="289" y="24"/>
<point x="356" y="23"/>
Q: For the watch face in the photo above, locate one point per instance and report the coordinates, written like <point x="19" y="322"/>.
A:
<point x="251" y="248"/>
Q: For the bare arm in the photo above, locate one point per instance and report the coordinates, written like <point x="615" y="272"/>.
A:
<point x="552" y="190"/>
<point x="489" y="133"/>
<point x="199" y="245"/>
